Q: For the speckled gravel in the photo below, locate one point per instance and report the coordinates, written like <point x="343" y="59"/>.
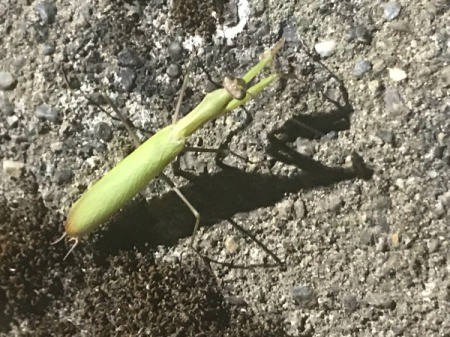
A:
<point x="348" y="179"/>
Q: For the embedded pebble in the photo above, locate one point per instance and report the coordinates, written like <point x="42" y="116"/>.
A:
<point x="235" y="300"/>
<point x="433" y="245"/>
<point x="304" y="296"/>
<point x="103" y="131"/>
<point x="438" y="151"/>
<point x="63" y="176"/>
<point x="171" y="259"/>
<point x="445" y="199"/>
<point x="305" y="147"/>
<point x="299" y="209"/>
<point x="332" y="135"/>
<point x="174" y="71"/>
<point x="47" y="11"/>
<point x="378" y="66"/>
<point x="98" y="98"/>
<point x="134" y="10"/>
<point x="378" y="217"/>
<point x="382" y="223"/>
<point x="325" y="48"/>
<point x="231" y="245"/>
<point x="129" y="58"/>
<point x="334" y="204"/>
<point x="395" y="240"/>
<point x="392" y="100"/>
<point x="349" y="302"/>
<point x="361" y="67"/>
<point x="12" y="121"/>
<point x="6" y="106"/>
<point x="374" y="87"/>
<point x="261" y="32"/>
<point x="382" y="244"/>
<point x="19" y="62"/>
<point x="397" y="74"/>
<point x="440" y="137"/>
<point x="56" y="146"/>
<point x="47" y="112"/>
<point x="367" y="238"/>
<point x="7" y="80"/>
<point x="408" y="241"/>
<point x="127" y="78"/>
<point x="175" y="50"/>
<point x="380" y="300"/>
<point x="230" y="14"/>
<point x="363" y="35"/>
<point x="48" y="49"/>
<point x="284" y="208"/>
<point x="290" y="31"/>
<point x="361" y="169"/>
<point x="391" y="10"/>
<point x="100" y="147"/>
<point x="446" y="160"/>
<point x="258" y="8"/>
<point x="438" y="210"/>
<point x="13" y="168"/>
<point x="445" y="76"/>
<point x="335" y="94"/>
<point x="385" y="135"/>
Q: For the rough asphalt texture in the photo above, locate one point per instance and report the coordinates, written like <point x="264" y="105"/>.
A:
<point x="352" y="192"/>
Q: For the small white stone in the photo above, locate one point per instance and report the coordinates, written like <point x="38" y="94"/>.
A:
<point x="391" y="10"/>
<point x="7" y="80"/>
<point x="374" y="87"/>
<point x="231" y="245"/>
<point x="12" y="120"/>
<point x="440" y="137"/>
<point x="397" y="74"/>
<point x="13" y="168"/>
<point x="56" y="146"/>
<point x="325" y="48"/>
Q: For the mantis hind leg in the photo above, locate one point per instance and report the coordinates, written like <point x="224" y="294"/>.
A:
<point x="188" y="204"/>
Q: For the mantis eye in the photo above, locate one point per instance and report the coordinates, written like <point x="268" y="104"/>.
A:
<point x="235" y="86"/>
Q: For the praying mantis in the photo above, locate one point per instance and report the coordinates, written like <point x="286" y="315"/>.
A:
<point x="109" y="194"/>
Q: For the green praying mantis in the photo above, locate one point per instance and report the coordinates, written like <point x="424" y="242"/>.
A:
<point x="109" y="194"/>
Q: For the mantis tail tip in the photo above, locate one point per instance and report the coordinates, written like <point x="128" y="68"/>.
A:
<point x="71" y="248"/>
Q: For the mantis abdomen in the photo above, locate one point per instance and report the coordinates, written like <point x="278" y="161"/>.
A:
<point x="122" y="183"/>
